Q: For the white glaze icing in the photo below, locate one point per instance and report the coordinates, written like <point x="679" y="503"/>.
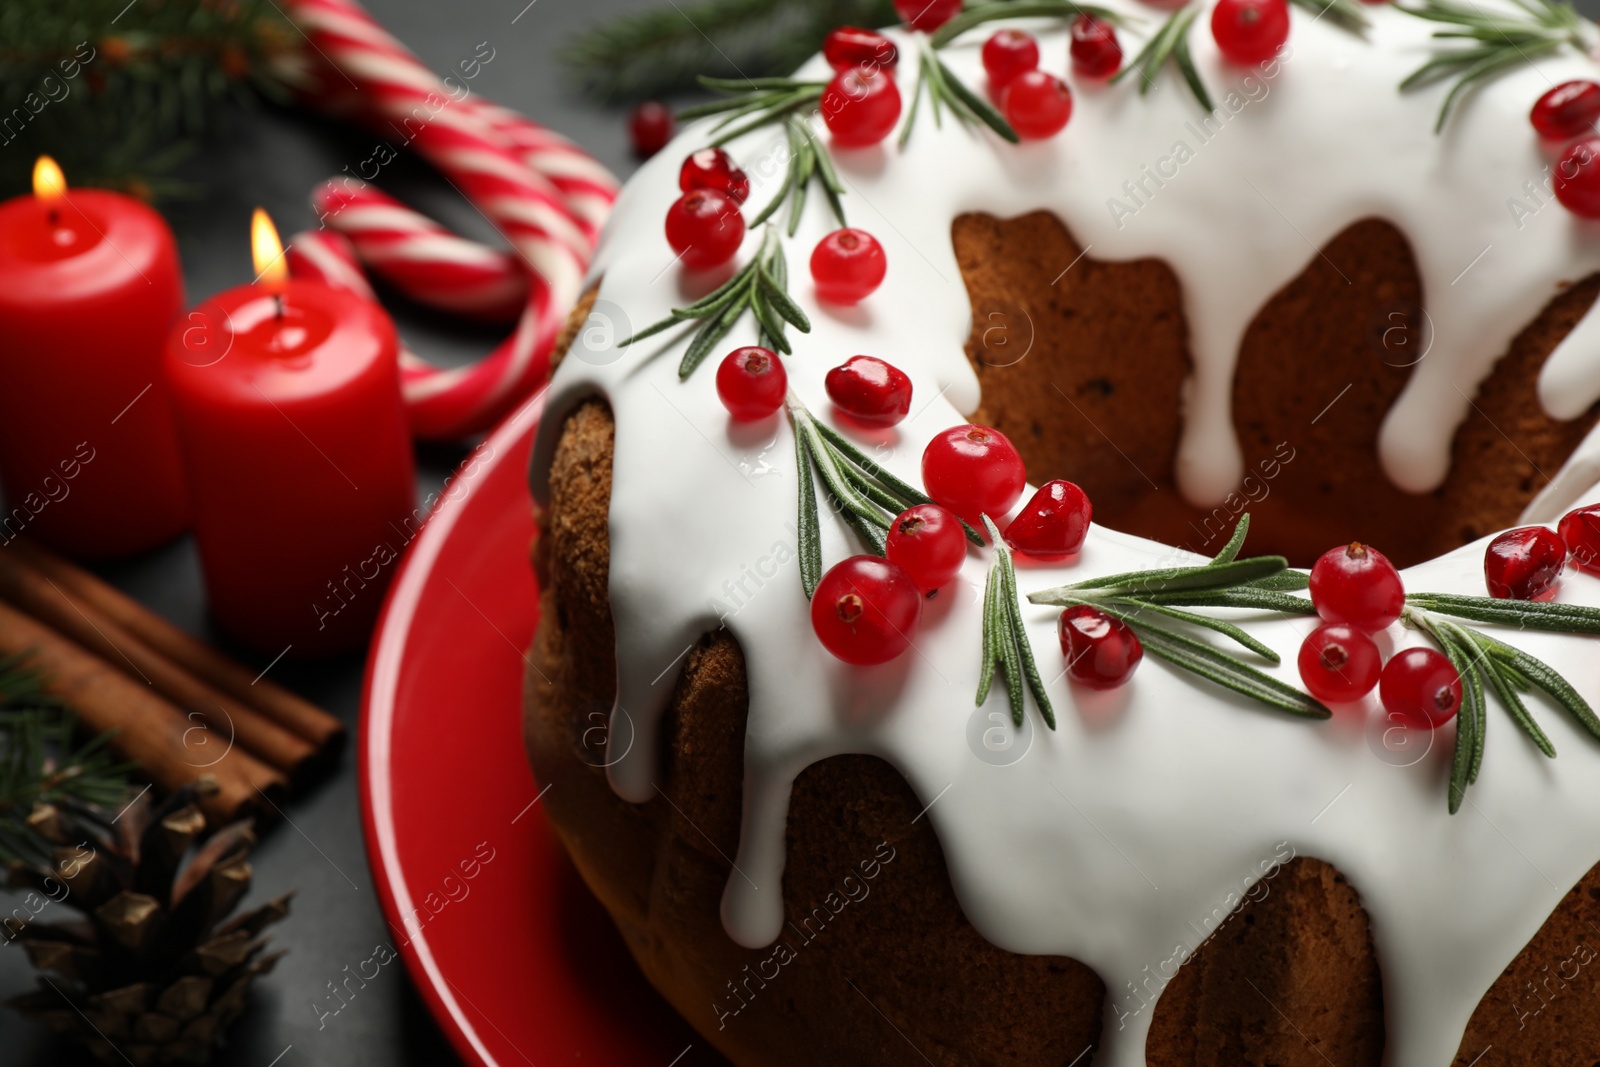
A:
<point x="1127" y="833"/>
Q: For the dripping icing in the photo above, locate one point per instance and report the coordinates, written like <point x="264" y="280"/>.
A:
<point x="1191" y="784"/>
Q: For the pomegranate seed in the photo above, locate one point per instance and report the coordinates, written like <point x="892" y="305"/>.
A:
<point x="704" y="228"/>
<point x="1568" y="110"/>
<point x="712" y="168"/>
<point x="852" y="46"/>
<point x="1095" y="51"/>
<point x="1051" y="525"/>
<point x="1524" y="563"/>
<point x="1357" y="584"/>
<point x="1421" y="688"/>
<point x="847" y="266"/>
<point x="1577" y="178"/>
<point x="1101" y="652"/>
<point x="926" y="15"/>
<point x="870" y="390"/>
<point x="860" y="106"/>
<point x="1250" y="31"/>
<point x="1580" y="529"/>
<point x="650" y="127"/>
<point x="1339" y="663"/>
<point x="751" y="383"/>
<point x="1036" y="104"/>
<point x="1007" y="54"/>
<point x="928" y="541"/>
<point x="865" y="610"/>
<point x="974" y="471"/>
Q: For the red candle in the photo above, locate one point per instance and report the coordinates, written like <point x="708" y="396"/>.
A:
<point x="89" y="288"/>
<point x="295" y="444"/>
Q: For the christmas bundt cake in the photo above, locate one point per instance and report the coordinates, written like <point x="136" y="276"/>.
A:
<point x="1075" y="541"/>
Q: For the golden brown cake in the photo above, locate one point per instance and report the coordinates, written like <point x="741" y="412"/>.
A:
<point x="822" y="863"/>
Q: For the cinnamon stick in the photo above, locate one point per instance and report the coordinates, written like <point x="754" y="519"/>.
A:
<point x="149" y="730"/>
<point x="231" y="721"/>
<point x="193" y="655"/>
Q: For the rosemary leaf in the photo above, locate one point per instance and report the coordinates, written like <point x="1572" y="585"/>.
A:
<point x="1344" y="13"/>
<point x="979" y="14"/>
<point x="1247" y="596"/>
<point x="771" y="325"/>
<point x="990" y="640"/>
<point x="810" y="535"/>
<point x="1230" y="551"/>
<point x="1523" y="614"/>
<point x="711" y="331"/>
<point x="976" y="104"/>
<point x="1227" y="629"/>
<point x="1030" y="669"/>
<point x="781" y="302"/>
<point x="1500" y="678"/>
<point x="906" y="493"/>
<point x="1185" y="64"/>
<point x="1171" y="579"/>
<point x="1545" y="677"/>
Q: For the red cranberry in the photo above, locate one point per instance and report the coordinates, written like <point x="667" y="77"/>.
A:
<point x="1524" y="563"/>
<point x="974" y="471"/>
<point x="1036" y="104"/>
<point x="865" y="610"/>
<point x="1095" y="51"/>
<point x="1421" y="688"/>
<point x="1580" y="529"/>
<point x="1007" y="54"/>
<point x="751" y="383"/>
<point x="1101" y="652"/>
<point x="1339" y="663"/>
<point x="860" y="106"/>
<point x="1250" y="31"/>
<point x="927" y="15"/>
<point x="928" y="541"/>
<point x="870" y="390"/>
<point x="847" y="266"/>
<point x="712" y="168"/>
<point x="650" y="127"/>
<point x="1357" y="584"/>
<point x="705" y="228"/>
<point x="852" y="46"/>
<point x="1577" y="178"/>
<point x="1568" y="110"/>
<point x="1053" y="524"/>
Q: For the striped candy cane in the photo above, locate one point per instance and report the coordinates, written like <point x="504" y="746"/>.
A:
<point x="544" y="195"/>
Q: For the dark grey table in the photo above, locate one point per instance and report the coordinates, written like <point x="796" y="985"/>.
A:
<point x="273" y="158"/>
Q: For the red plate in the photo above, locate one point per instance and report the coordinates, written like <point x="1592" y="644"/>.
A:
<point x="518" y="962"/>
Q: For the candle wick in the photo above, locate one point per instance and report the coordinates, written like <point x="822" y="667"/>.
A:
<point x="54" y="216"/>
<point x="277" y="300"/>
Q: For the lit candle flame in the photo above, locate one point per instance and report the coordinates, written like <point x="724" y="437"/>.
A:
<point x="272" y="270"/>
<point x="49" y="184"/>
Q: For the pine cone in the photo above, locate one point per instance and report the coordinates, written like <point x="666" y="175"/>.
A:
<point x="154" y="971"/>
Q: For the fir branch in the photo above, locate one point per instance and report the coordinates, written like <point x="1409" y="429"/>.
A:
<point x="808" y="160"/>
<point x="119" y="94"/>
<point x="759" y="287"/>
<point x="1005" y="638"/>
<point x="943" y="90"/>
<point x="1502" y="40"/>
<point x="1170" y="42"/>
<point x="662" y="51"/>
<point x="43" y="762"/>
<point x="979" y="14"/>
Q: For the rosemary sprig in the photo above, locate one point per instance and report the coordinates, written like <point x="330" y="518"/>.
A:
<point x="763" y="101"/>
<point x="1150" y="601"/>
<point x="943" y="90"/>
<point x="807" y="160"/>
<point x="865" y="495"/>
<point x="1486" y="663"/>
<point x="1171" y="42"/>
<point x="760" y="286"/>
<point x="1501" y="39"/>
<point x="1020" y="9"/>
<point x="1005" y="639"/>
